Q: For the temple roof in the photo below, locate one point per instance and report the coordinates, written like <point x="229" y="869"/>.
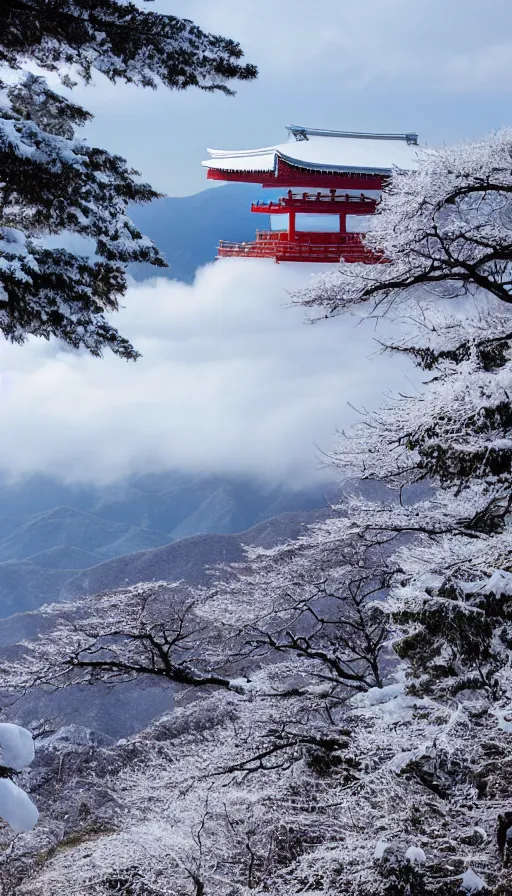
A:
<point x="316" y="149"/>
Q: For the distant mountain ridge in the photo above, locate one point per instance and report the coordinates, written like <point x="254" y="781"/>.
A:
<point x="43" y="546"/>
<point x="187" y="229"/>
<point x="189" y="559"/>
<point x="67" y="527"/>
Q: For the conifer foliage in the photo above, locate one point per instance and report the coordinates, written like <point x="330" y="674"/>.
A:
<point x="54" y="182"/>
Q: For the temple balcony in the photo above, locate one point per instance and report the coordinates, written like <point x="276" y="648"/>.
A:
<point x="331" y="203"/>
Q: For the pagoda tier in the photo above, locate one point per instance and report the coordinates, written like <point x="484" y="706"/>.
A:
<point x="336" y="161"/>
<point x="295" y="176"/>
<point x="312" y="247"/>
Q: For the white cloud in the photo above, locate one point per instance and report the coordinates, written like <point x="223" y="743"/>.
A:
<point x="230" y="381"/>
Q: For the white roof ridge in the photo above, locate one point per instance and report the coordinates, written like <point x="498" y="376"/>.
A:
<point x="300" y="132"/>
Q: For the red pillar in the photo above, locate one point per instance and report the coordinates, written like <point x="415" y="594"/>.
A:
<point x="291" y="226"/>
<point x="343" y="223"/>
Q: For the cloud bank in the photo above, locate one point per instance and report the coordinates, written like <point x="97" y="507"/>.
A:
<point x="231" y="381"/>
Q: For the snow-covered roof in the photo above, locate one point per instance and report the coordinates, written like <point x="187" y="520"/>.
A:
<point x="327" y="150"/>
<point x="249" y="160"/>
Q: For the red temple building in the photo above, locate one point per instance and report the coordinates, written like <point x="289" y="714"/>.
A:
<point x="325" y="176"/>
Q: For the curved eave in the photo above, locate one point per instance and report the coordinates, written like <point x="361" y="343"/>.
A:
<point x="338" y="169"/>
<point x="233" y="168"/>
<point x="269" y="171"/>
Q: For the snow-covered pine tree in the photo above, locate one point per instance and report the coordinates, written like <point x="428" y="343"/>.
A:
<point x="53" y="182"/>
<point x="121" y="40"/>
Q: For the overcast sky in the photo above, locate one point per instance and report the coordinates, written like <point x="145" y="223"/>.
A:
<point x="441" y="67"/>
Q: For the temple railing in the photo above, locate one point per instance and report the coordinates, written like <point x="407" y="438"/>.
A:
<point x="323" y="203"/>
<point x="310" y="237"/>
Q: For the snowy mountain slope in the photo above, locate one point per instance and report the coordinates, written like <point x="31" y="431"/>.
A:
<point x="64" y="557"/>
<point x="162" y="502"/>
<point x="91" y="525"/>
<point x="282" y="528"/>
<point x="183" y="505"/>
<point x="25" y="586"/>
<point x="9" y="523"/>
<point x="186" y="559"/>
<point x="76" y="529"/>
<point x="38" y="494"/>
<point x="219" y="512"/>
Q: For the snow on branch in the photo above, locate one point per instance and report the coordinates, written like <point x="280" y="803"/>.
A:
<point x="151" y="630"/>
<point x="54" y="183"/>
<point x="121" y="41"/>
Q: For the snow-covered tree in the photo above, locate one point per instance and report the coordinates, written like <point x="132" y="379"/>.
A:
<point x="445" y="227"/>
<point x="121" y="40"/>
<point x="147" y="630"/>
<point x="53" y="182"/>
<point x="446" y="232"/>
<point x="314" y="599"/>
